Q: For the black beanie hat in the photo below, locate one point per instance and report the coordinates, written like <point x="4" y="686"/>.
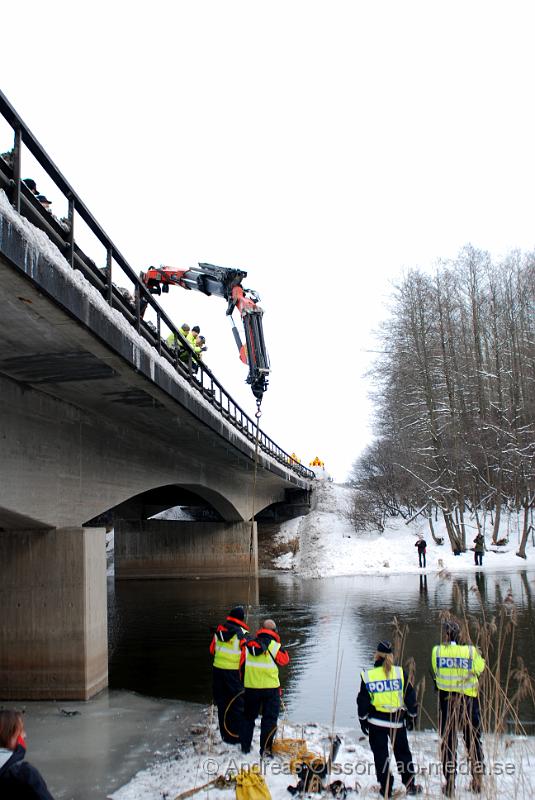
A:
<point x="384" y="647"/>
<point x="237" y="612"/>
<point x="452" y="629"/>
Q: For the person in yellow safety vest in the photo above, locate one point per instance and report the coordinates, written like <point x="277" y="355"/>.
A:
<point x="317" y="463"/>
<point x="261" y="659"/>
<point x="227" y="684"/>
<point x="184" y="331"/>
<point x="197" y="344"/>
<point x="457" y="668"/>
<point x="200" y="346"/>
<point x="192" y="335"/>
<point x="387" y="708"/>
<point x="295" y="459"/>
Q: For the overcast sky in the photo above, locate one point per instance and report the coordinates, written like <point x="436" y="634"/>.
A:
<point x="321" y="147"/>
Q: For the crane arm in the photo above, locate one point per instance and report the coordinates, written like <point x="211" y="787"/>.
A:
<point x="223" y="282"/>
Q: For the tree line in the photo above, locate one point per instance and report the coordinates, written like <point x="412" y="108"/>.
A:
<point x="454" y="397"/>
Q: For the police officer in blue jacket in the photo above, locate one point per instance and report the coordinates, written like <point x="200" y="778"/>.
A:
<point x="387" y="707"/>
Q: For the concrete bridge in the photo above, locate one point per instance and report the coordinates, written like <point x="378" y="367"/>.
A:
<point x="95" y="426"/>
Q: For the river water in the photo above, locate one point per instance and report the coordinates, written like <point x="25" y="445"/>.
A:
<point x="159" y="631"/>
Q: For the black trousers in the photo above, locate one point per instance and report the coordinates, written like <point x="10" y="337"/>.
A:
<point x="421" y="558"/>
<point x="458" y="712"/>
<point x="379" y="737"/>
<point x="267" y="703"/>
<point x="226" y="686"/>
<point x="478" y="559"/>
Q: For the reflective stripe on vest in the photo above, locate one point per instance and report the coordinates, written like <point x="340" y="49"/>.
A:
<point x="454" y="669"/>
<point x="386" y="691"/>
<point x="385" y="723"/>
<point x="261" y="672"/>
<point x="227" y="654"/>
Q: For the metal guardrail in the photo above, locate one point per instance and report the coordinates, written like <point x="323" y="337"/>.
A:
<point x="62" y="234"/>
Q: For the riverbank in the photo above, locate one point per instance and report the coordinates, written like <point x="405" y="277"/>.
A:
<point x="510" y="764"/>
<point x="324" y="543"/>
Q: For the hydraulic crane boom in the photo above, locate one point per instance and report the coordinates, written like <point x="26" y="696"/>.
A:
<point x="223" y="282"/>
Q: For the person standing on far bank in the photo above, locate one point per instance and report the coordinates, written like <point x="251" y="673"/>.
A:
<point x="387" y="708"/>
<point x="227" y="684"/>
<point x="421" y="544"/>
<point x="479" y="549"/>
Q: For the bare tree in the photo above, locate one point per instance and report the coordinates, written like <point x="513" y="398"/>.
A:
<point x="455" y="394"/>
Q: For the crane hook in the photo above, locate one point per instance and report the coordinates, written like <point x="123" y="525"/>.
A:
<point x="258" y="404"/>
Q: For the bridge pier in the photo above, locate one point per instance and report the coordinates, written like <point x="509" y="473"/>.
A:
<point x="53" y="625"/>
<point x="181" y="549"/>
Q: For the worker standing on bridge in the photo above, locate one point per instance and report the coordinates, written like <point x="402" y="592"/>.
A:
<point x="387" y="708"/>
<point x="196" y="343"/>
<point x="32" y="186"/>
<point x="172" y="341"/>
<point x="227" y="684"/>
<point x="200" y="346"/>
<point x="184" y="330"/>
<point x="262" y="657"/>
<point x="193" y="334"/>
<point x="45" y="202"/>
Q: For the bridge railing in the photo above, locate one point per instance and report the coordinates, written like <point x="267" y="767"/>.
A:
<point x="105" y="279"/>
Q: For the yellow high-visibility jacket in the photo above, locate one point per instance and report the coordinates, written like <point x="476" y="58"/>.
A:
<point x="386" y="691"/>
<point x="261" y="672"/>
<point x="457" y="668"/>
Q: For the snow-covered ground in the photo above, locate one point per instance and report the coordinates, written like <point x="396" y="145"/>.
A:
<point x="510" y="765"/>
<point x="324" y="543"/>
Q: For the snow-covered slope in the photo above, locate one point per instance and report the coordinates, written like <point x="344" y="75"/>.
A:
<point x="329" y="545"/>
<point x="509" y="764"/>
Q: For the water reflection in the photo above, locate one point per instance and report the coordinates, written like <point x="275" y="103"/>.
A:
<point x="160" y="630"/>
<point x="424" y="597"/>
<point x="159" y="633"/>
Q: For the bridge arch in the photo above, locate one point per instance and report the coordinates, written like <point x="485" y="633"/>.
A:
<point x="204" y="502"/>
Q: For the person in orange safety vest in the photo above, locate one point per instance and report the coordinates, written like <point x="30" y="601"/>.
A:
<point x="225" y="647"/>
<point x="261" y="659"/>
